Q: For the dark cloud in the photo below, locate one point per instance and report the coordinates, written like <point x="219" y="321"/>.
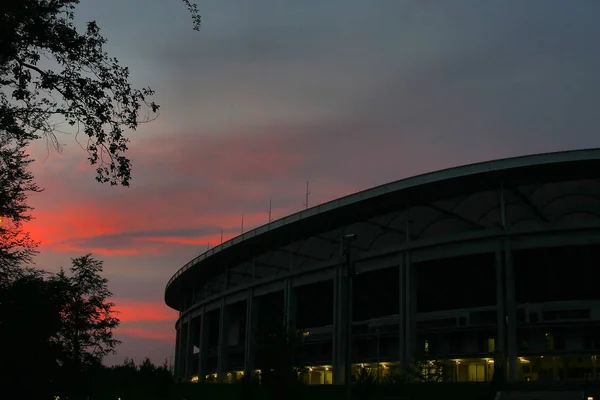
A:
<point x="126" y="239"/>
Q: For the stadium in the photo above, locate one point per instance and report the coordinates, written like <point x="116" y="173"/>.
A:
<point x="464" y="268"/>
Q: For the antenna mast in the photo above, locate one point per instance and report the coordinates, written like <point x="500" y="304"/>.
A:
<point x="270" y="209"/>
<point x="221" y="235"/>
<point x="242" y="222"/>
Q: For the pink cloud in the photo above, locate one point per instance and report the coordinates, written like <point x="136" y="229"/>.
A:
<point x="235" y="156"/>
<point x="134" y="311"/>
<point x="196" y="181"/>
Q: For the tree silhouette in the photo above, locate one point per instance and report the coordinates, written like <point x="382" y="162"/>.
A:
<point x="16" y="247"/>
<point x="87" y="321"/>
<point x="29" y="320"/>
<point x="88" y="317"/>
<point x="145" y="381"/>
<point x="51" y="76"/>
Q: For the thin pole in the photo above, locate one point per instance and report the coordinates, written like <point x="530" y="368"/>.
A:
<point x="221" y="235"/>
<point x="242" y="222"/>
<point x="307" y="193"/>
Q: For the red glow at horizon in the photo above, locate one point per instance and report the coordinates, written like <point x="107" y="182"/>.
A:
<point x="134" y="311"/>
<point x="163" y="214"/>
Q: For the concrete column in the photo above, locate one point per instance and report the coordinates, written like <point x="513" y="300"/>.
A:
<point x="189" y="348"/>
<point x="340" y="324"/>
<point x="251" y="323"/>
<point x="511" y="313"/>
<point x="408" y="310"/>
<point x="178" y="336"/>
<point x="500" y="345"/>
<point x="290" y="310"/>
<point x="506" y="341"/>
<point x="203" y="344"/>
<point x="222" y="347"/>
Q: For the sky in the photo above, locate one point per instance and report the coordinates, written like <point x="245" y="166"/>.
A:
<point x="270" y="94"/>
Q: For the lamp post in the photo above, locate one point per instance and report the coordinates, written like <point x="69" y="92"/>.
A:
<point x="345" y="250"/>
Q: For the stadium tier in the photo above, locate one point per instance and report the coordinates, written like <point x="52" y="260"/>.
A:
<point x="450" y="273"/>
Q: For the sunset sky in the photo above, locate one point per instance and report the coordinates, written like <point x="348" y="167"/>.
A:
<point x="346" y="94"/>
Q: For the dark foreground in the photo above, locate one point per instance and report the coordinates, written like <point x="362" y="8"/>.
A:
<point x="380" y="392"/>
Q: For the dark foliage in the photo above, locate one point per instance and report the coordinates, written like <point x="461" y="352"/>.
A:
<point x="365" y="383"/>
<point x="88" y="318"/>
<point x="145" y="381"/>
<point x="52" y="74"/>
<point x="195" y="13"/>
<point x="87" y="322"/>
<point x="29" y="320"/>
<point x="279" y="372"/>
<point x="55" y="329"/>
<point x="16" y="247"/>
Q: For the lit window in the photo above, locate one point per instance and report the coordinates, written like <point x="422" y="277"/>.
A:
<point x="426" y="346"/>
<point x="491" y="345"/>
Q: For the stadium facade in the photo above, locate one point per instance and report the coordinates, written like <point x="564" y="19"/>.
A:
<point x="468" y="267"/>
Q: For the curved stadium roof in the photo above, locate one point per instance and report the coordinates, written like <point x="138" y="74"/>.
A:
<point x="378" y="200"/>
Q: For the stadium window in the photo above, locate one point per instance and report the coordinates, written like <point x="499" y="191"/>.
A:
<point x="491" y="345"/>
<point x="426" y="347"/>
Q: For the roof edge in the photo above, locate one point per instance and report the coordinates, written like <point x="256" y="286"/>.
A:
<point x="402" y="184"/>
